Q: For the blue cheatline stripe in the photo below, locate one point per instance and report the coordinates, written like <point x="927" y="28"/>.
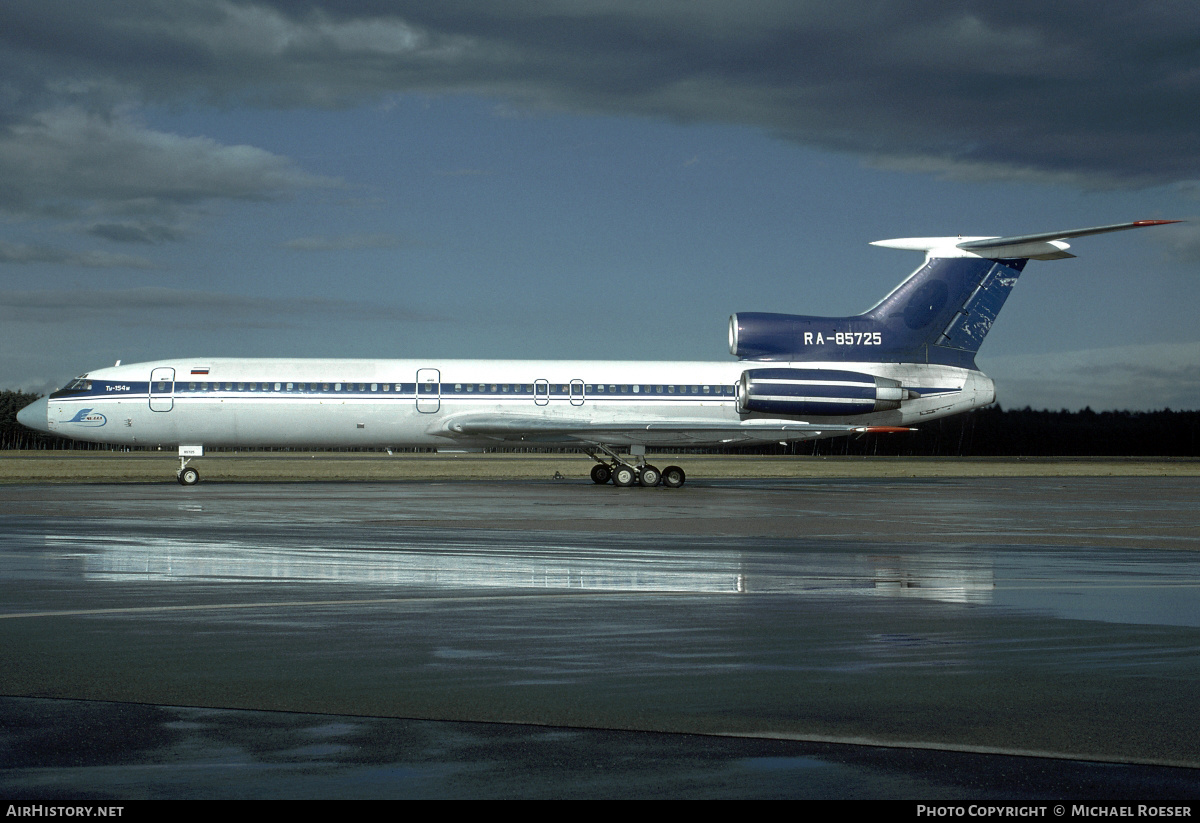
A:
<point x="109" y="390"/>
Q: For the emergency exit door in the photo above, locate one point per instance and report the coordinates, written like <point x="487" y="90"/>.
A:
<point x="429" y="390"/>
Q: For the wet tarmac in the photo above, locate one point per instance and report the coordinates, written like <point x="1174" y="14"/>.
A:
<point x="853" y="638"/>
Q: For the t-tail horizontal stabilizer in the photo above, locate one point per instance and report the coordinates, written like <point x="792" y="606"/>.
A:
<point x="1045" y="246"/>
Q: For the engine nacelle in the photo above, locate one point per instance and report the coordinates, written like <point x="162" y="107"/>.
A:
<point x="827" y="392"/>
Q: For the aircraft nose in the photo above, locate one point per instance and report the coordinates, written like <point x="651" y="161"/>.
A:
<point x="34" y="415"/>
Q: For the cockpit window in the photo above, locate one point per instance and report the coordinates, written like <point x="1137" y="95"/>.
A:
<point x="78" y="384"/>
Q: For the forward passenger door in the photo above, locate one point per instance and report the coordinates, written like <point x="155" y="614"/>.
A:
<point x="162" y="389"/>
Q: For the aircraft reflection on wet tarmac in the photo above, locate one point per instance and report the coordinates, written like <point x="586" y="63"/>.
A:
<point x="946" y="577"/>
<point x="1057" y="581"/>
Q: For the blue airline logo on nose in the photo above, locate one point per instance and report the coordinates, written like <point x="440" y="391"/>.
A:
<point x="86" y="417"/>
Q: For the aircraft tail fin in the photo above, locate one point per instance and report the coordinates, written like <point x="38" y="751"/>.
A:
<point x="939" y="314"/>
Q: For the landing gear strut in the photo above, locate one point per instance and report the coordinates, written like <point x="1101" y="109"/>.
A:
<point x="623" y="473"/>
<point x="186" y="475"/>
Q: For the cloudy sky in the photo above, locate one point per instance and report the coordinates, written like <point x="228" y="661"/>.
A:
<point x="577" y="179"/>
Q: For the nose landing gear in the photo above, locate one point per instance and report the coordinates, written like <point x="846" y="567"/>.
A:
<point x="188" y="476"/>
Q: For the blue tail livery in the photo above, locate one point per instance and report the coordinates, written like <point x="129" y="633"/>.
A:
<point x="940" y="314"/>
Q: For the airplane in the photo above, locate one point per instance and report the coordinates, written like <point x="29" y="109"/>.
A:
<point x="908" y="359"/>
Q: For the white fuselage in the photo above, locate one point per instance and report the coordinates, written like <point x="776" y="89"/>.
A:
<point x="225" y="402"/>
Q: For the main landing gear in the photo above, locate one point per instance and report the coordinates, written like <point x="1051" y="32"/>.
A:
<point x="622" y="473"/>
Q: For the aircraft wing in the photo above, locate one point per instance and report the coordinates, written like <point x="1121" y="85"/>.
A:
<point x="507" y="428"/>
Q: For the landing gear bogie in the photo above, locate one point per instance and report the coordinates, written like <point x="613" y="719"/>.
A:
<point x="610" y="467"/>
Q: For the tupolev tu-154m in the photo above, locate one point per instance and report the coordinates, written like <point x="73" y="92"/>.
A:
<point x="908" y="359"/>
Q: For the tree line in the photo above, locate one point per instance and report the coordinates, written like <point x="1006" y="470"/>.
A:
<point x="990" y="432"/>
<point x="998" y="432"/>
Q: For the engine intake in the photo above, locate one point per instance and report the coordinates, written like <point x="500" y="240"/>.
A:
<point x="817" y="392"/>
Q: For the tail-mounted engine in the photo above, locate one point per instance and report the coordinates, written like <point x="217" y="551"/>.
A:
<point x="817" y="392"/>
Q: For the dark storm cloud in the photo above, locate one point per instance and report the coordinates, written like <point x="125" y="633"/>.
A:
<point x="1091" y="95"/>
<point x="68" y="159"/>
